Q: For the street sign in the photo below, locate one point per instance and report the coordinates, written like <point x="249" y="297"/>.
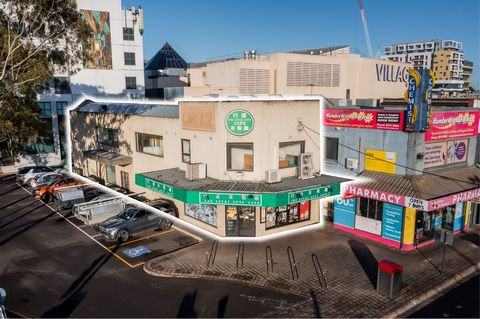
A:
<point x="137" y="251"/>
<point x="239" y="122"/>
<point x="159" y="187"/>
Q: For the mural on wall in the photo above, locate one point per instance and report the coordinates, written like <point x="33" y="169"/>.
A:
<point x="97" y="52"/>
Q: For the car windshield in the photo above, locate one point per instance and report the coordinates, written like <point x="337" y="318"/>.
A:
<point x="127" y="213"/>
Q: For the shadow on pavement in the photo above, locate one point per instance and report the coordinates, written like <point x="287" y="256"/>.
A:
<point x="428" y="259"/>
<point x="74" y="295"/>
<point x="19" y="217"/>
<point x="366" y="259"/>
<point x="474" y="238"/>
<point x="14" y="202"/>
<point x="10" y="190"/>
<point x="24" y="229"/>
<point x="187" y="306"/>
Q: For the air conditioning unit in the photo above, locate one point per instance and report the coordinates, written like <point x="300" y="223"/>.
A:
<point x="196" y="171"/>
<point x="305" y="166"/>
<point x="272" y="176"/>
<point x="351" y="163"/>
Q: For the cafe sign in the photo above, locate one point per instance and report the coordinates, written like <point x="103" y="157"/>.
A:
<point x="239" y="122"/>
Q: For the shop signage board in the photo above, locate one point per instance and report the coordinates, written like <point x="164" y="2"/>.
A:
<point x="369" y="119"/>
<point x="238" y="199"/>
<point x="435" y="154"/>
<point x="444" y="153"/>
<point x="451" y="125"/>
<point x="239" y="122"/>
<point x="159" y="187"/>
<point x="416" y="203"/>
<point x="344" y="212"/>
<point x="418" y="97"/>
<point x="435" y="204"/>
<point x="375" y="194"/>
<point x="309" y="194"/>
<point x="230" y="199"/>
<point x="392" y="221"/>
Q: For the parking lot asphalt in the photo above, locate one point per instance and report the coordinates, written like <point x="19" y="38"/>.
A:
<point x="52" y="266"/>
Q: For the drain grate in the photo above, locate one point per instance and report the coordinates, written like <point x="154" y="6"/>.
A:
<point x="242" y="277"/>
<point x="212" y="273"/>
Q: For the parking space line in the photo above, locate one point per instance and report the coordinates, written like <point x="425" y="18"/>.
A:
<point x="97" y="235"/>
<point x="99" y="243"/>
<point x="142" y="238"/>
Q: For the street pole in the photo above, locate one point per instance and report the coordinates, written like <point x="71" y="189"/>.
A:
<point x="443" y="257"/>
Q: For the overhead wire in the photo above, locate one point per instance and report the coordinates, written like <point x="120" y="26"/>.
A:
<point x="383" y="160"/>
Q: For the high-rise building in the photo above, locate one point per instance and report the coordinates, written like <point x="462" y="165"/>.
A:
<point x="467" y="74"/>
<point x="443" y="57"/>
<point x="112" y="66"/>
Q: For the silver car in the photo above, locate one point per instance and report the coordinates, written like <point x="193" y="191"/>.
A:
<point x="134" y="220"/>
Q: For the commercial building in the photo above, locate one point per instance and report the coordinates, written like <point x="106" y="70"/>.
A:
<point x="233" y="167"/>
<point x="467" y="74"/>
<point x="332" y="72"/>
<point x="414" y="182"/>
<point x="112" y="66"/>
<point x="165" y="74"/>
<point x="444" y="57"/>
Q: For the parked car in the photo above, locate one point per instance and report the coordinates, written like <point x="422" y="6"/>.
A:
<point x="3" y="296"/>
<point x="21" y="171"/>
<point x="46" y="192"/>
<point x="135" y="220"/>
<point x="42" y="179"/>
<point x="27" y="177"/>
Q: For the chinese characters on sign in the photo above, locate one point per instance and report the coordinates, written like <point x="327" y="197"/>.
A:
<point x="231" y="199"/>
<point x="239" y="122"/>
<point x="159" y="187"/>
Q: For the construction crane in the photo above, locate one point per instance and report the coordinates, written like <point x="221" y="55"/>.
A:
<point x="365" y="29"/>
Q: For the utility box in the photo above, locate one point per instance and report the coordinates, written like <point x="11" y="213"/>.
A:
<point x="389" y="278"/>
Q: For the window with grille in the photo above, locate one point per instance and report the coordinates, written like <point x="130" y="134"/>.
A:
<point x="129" y="58"/>
<point x="313" y="74"/>
<point x="130" y="83"/>
<point x="128" y="34"/>
<point x="254" y="81"/>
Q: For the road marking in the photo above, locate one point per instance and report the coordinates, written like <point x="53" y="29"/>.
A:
<point x="97" y="235"/>
<point x="99" y="243"/>
<point x="142" y="238"/>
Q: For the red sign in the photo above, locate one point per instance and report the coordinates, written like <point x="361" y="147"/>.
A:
<point x="450" y="125"/>
<point x="453" y="199"/>
<point x="378" y="120"/>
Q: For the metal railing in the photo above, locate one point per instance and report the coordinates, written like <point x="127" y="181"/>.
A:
<point x="269" y="259"/>
<point x="210" y="256"/>
<point x="293" y="263"/>
<point x="240" y="252"/>
<point x="318" y="270"/>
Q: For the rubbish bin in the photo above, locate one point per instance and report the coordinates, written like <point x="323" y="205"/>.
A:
<point x="389" y="278"/>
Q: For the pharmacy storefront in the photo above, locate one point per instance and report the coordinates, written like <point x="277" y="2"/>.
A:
<point x="243" y="210"/>
<point x="375" y="211"/>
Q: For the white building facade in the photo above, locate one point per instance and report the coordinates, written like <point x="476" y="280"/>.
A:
<point x="112" y="66"/>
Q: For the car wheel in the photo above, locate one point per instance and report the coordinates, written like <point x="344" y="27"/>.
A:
<point x="165" y="224"/>
<point x="28" y="181"/>
<point x="123" y="235"/>
<point x="46" y="198"/>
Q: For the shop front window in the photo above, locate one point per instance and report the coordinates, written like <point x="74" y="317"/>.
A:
<point x="370" y="208"/>
<point x="285" y="215"/>
<point x="204" y="213"/>
<point x="288" y="153"/>
<point x="448" y="217"/>
<point x="240" y="156"/>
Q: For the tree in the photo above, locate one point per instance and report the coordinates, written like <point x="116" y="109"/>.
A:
<point x="37" y="38"/>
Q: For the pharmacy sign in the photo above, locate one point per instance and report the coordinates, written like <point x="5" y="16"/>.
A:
<point x="239" y="122"/>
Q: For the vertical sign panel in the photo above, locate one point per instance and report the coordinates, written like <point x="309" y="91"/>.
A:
<point x="344" y="212"/>
<point x="392" y="221"/>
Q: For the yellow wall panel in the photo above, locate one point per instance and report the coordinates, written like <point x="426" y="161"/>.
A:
<point x="380" y="161"/>
<point x="409" y="226"/>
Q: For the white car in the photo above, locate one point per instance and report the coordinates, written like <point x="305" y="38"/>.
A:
<point x="43" y="178"/>
<point x="33" y="172"/>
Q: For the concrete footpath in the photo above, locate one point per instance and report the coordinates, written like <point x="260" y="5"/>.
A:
<point x="349" y="264"/>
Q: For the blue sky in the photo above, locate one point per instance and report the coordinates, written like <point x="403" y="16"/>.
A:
<point x="205" y="29"/>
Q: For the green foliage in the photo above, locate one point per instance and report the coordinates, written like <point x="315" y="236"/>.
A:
<point x="37" y="39"/>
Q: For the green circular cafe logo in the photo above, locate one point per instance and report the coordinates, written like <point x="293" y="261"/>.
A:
<point x="239" y="122"/>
